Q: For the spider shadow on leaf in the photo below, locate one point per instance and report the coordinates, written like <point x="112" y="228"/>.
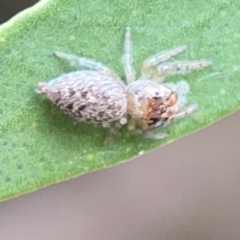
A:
<point x="56" y="125"/>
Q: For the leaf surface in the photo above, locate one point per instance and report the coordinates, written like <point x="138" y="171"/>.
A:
<point x="40" y="146"/>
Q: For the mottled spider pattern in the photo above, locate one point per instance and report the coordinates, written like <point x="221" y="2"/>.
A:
<point x="98" y="95"/>
<point x="88" y="96"/>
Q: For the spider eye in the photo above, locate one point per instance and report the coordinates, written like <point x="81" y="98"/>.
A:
<point x="157" y="95"/>
<point x="153" y="121"/>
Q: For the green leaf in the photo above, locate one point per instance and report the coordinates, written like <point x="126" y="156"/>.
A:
<point x="40" y="146"/>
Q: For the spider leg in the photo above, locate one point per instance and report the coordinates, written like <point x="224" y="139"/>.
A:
<point x="158" y="58"/>
<point x="127" y="57"/>
<point x="152" y="134"/>
<point x="187" y="111"/>
<point x="181" y="88"/>
<point x="181" y="67"/>
<point x="83" y="61"/>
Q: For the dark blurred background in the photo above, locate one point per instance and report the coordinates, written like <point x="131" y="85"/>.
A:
<point x="8" y="8"/>
<point x="187" y="190"/>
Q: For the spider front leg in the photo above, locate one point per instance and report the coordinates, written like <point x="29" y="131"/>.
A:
<point x="181" y="88"/>
<point x="181" y="67"/>
<point x="155" y="134"/>
<point x="152" y="61"/>
<point x="185" y="112"/>
<point x="84" y="62"/>
<point x="127" y="57"/>
<point x="150" y="133"/>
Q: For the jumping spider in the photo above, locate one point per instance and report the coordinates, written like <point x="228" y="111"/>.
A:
<point x="99" y="95"/>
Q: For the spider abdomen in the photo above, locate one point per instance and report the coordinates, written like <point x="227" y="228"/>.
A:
<point x="87" y="96"/>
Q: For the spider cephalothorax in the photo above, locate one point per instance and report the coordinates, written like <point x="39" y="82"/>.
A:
<point x="99" y="95"/>
<point x="149" y="102"/>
